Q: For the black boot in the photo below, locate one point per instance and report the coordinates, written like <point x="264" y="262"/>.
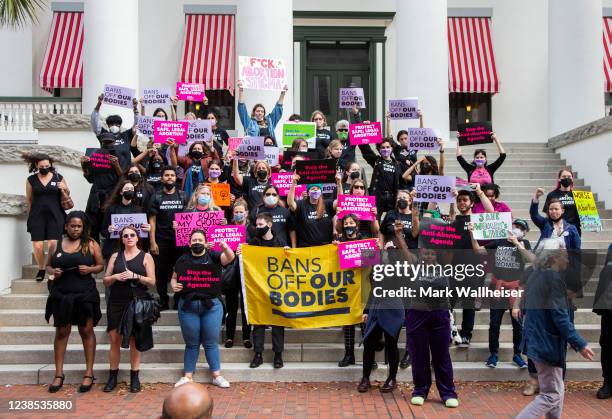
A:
<point x="349" y="359"/>
<point x="605" y="391"/>
<point x="112" y="381"/>
<point x="278" y="360"/>
<point x="257" y="360"/>
<point x="405" y="362"/>
<point x="134" y="382"/>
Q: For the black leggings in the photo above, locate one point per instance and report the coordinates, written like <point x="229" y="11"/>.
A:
<point x="233" y="300"/>
<point x="369" y="352"/>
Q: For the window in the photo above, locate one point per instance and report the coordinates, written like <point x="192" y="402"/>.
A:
<point x="469" y="107"/>
<point x="219" y="101"/>
<point x="608" y="98"/>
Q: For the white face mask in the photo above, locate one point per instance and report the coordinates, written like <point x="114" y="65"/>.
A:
<point x="271" y="200"/>
<point x="114" y="129"/>
<point x="518" y="233"/>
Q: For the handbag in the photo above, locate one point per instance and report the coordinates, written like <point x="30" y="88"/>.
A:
<point x="147" y="308"/>
<point x="65" y="200"/>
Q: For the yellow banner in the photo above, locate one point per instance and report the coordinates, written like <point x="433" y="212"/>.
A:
<point x="299" y="288"/>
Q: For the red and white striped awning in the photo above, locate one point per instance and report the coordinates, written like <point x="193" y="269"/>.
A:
<point x="471" y="64"/>
<point x="208" y="51"/>
<point x="607" y="60"/>
<point x="63" y="63"/>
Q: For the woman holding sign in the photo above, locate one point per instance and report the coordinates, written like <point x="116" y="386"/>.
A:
<point x="479" y="171"/>
<point x="129" y="275"/>
<point x="313" y="214"/>
<point x="385" y="176"/>
<point x="324" y="136"/>
<point x="200" y="311"/>
<point x="367" y="229"/>
<point x="282" y="226"/>
<point x="258" y="124"/>
<point x="254" y="185"/>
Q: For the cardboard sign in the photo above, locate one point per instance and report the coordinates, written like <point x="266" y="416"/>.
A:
<point x="233" y="143"/>
<point x="193" y="92"/>
<point x="293" y="130"/>
<point x="436" y="234"/>
<point x="119" y="96"/>
<point x="587" y="211"/>
<point x="144" y="124"/>
<point x="316" y="171"/>
<point x="233" y="236"/>
<point x="156" y="96"/>
<point x="221" y="194"/>
<point x="358" y="254"/>
<point x="475" y="133"/>
<point x="351" y="96"/>
<point x="271" y="155"/>
<point x="358" y="205"/>
<point x="365" y="133"/>
<point x="170" y="130"/>
<point x="434" y="188"/>
<point x="404" y="108"/>
<point x="262" y="73"/>
<point x="283" y="181"/>
<point x="199" y="278"/>
<point x="124" y="220"/>
<point x="251" y="148"/>
<point x="290" y="154"/>
<point x="491" y="226"/>
<point x="189" y="221"/>
<point x="99" y="159"/>
<point x="423" y="139"/>
<point x="199" y="130"/>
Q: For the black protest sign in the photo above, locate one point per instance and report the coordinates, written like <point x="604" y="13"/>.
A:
<point x="290" y="154"/>
<point x="475" y="133"/>
<point x="436" y="234"/>
<point x="99" y="159"/>
<point x="316" y="171"/>
<point x="199" y="278"/>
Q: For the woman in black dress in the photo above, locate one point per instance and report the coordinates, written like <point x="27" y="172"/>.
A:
<point x="73" y="296"/>
<point x="45" y="213"/>
<point x="129" y="274"/>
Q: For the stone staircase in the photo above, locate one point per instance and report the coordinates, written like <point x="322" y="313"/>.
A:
<point x="26" y="341"/>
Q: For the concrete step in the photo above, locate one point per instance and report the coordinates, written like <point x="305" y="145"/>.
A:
<point x="36" y="317"/>
<point x="509" y="174"/>
<point x="532" y="184"/>
<point x="13" y="301"/>
<point x="291" y="372"/>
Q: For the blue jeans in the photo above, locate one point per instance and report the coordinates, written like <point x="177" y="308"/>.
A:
<point x="201" y="327"/>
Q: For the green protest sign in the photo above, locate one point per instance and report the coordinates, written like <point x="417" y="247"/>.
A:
<point x="293" y="130"/>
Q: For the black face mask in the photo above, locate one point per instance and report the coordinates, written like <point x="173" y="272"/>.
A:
<point x="169" y="186"/>
<point x="197" y="248"/>
<point x="196" y="154"/>
<point x="262" y="174"/>
<point x="156" y="167"/>
<point x="565" y="182"/>
<point x="107" y="145"/>
<point x="262" y="231"/>
<point x="354" y="175"/>
<point x="128" y="195"/>
<point x="349" y="231"/>
<point x="45" y="170"/>
<point x="426" y="167"/>
<point x="134" y="176"/>
<point x="402" y="203"/>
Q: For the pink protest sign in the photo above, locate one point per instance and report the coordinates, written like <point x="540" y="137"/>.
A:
<point x="166" y="130"/>
<point x="365" y="133"/>
<point x="434" y="188"/>
<point x="262" y="73"/>
<point x="283" y="182"/>
<point x="358" y="205"/>
<point x="189" y="221"/>
<point x="233" y="143"/>
<point x="232" y="235"/>
<point x="358" y="254"/>
<point x="190" y="91"/>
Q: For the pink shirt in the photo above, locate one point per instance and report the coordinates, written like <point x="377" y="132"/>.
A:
<point x="498" y="206"/>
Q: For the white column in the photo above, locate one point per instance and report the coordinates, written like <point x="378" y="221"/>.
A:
<point x="16" y="78"/>
<point x="422" y="60"/>
<point x="575" y="54"/>
<point x="264" y="28"/>
<point x="110" y="51"/>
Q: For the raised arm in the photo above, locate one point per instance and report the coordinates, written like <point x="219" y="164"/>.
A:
<point x="537" y="219"/>
<point x="486" y="203"/>
<point x="414" y="212"/>
<point x="238" y="178"/>
<point x="292" y="204"/>
<point x="441" y="165"/>
<point x="94" y="120"/>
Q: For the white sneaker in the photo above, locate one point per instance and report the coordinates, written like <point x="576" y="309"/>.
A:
<point x="183" y="380"/>
<point x="219" y="381"/>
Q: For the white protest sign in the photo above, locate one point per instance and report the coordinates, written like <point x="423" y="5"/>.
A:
<point x="423" y="139"/>
<point x="144" y="124"/>
<point x="155" y="96"/>
<point x="119" y="96"/>
<point x="123" y="220"/>
<point x="272" y="153"/>
<point x="489" y="226"/>
<point x="352" y="96"/>
<point x="199" y="130"/>
<point x="251" y="148"/>
<point x="404" y="108"/>
<point x="434" y="188"/>
<point x="262" y="73"/>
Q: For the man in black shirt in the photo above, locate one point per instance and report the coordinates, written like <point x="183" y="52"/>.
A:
<point x="164" y="205"/>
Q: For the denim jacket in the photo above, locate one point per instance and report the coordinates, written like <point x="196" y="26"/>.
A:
<point x="570" y="233"/>
<point x="251" y="128"/>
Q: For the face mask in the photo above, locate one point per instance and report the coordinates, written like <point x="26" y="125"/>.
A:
<point x="214" y="174"/>
<point x="262" y="231"/>
<point x="114" y="129"/>
<point x="196" y="155"/>
<point x="385" y="152"/>
<point x="134" y="177"/>
<point x="343" y="135"/>
<point x="107" y="145"/>
<point x="565" y="182"/>
<point x="426" y="167"/>
<point x="44" y="170"/>
<point x="480" y="162"/>
<point x="271" y="200"/>
<point x="349" y="231"/>
<point x="128" y="195"/>
<point x="238" y="217"/>
<point x="518" y="233"/>
<point x="355" y="175"/>
<point x="169" y="186"/>
<point x="203" y="199"/>
<point x="156" y="166"/>
<point x="314" y="195"/>
<point x="262" y="174"/>
<point x="402" y="203"/>
<point x="197" y="248"/>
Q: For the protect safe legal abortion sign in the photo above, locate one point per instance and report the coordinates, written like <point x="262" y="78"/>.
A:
<point x="262" y="73"/>
<point x="170" y="130"/>
<point x="434" y="188"/>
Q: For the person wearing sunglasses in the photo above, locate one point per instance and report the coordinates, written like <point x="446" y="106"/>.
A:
<point x="282" y="221"/>
<point x="324" y="136"/>
<point x="129" y="275"/>
<point x="367" y="229"/>
<point x="342" y="134"/>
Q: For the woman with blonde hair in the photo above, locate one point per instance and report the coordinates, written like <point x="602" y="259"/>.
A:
<point x="324" y="136"/>
<point x="202" y="200"/>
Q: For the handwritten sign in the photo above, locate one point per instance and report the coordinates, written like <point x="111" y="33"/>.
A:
<point x="99" y="159"/>
<point x="434" y="188"/>
<point x="221" y="194"/>
<point x="251" y="148"/>
<point x="587" y="211"/>
<point x="156" y="96"/>
<point x="124" y="220"/>
<point x="271" y="155"/>
<point x="288" y="156"/>
<point x="293" y="130"/>
<point x="283" y="181"/>
<point x="490" y="226"/>
<point x="232" y="235"/>
<point x="193" y="92"/>
<point x="316" y="171"/>
<point x="118" y="96"/>
<point x="474" y="133"/>
<point x="435" y="234"/>
<point x="144" y="124"/>
<point x="199" y="130"/>
<point x="170" y="130"/>
<point x="352" y="96"/>
<point x="423" y="139"/>
<point x="365" y="133"/>
<point x="199" y="278"/>
<point x="262" y="73"/>
<point x="358" y="254"/>
<point x="404" y="108"/>
<point x="233" y="143"/>
<point x="358" y="205"/>
<point x="189" y="221"/>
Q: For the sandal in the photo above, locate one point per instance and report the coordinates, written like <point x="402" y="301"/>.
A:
<point x="85" y="388"/>
<point x="55" y="388"/>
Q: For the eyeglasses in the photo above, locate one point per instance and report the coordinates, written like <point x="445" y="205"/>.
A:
<point x="358" y="187"/>
<point x="127" y="236"/>
<point x="342" y="130"/>
<point x="271" y="194"/>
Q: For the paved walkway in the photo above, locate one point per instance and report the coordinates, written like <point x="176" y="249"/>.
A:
<point x="323" y="400"/>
